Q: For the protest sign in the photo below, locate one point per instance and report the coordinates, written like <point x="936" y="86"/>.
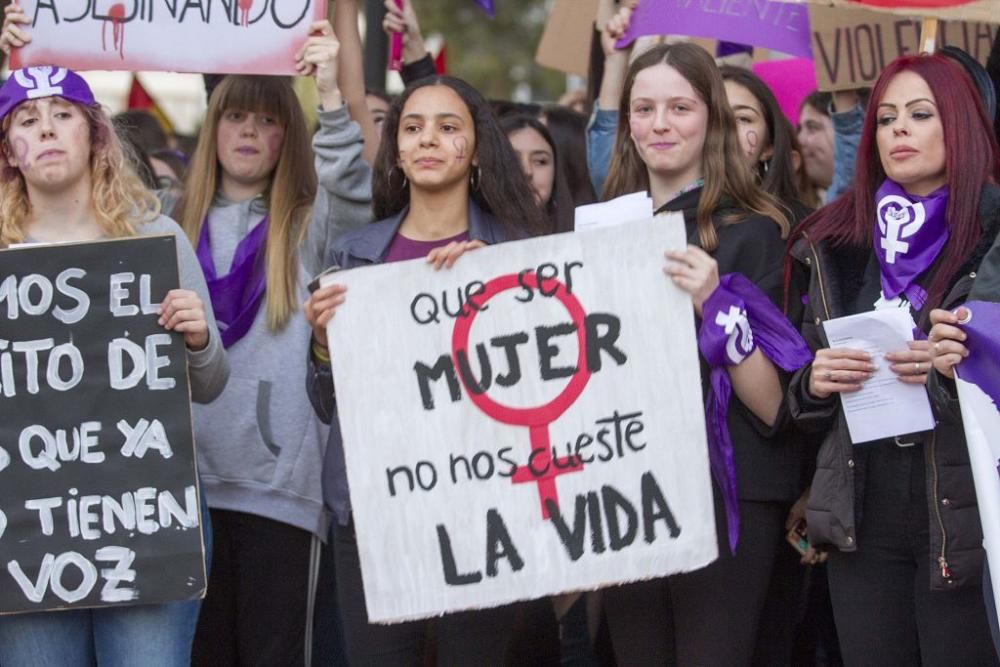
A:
<point x="565" y="43"/>
<point x="526" y="423"/>
<point x="223" y="36"/>
<point x="852" y="46"/>
<point x="955" y="10"/>
<point x="978" y="382"/>
<point x="777" y="25"/>
<point x="98" y="490"/>
<point x="791" y="80"/>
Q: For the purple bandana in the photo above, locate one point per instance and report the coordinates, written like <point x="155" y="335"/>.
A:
<point x="737" y="319"/>
<point x="982" y="366"/>
<point x="909" y="233"/>
<point x="32" y="83"/>
<point x="237" y="295"/>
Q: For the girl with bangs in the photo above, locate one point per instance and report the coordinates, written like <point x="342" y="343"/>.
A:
<point x="677" y="139"/>
<point x="65" y="178"/>
<point x="898" y="516"/>
<point x="253" y="209"/>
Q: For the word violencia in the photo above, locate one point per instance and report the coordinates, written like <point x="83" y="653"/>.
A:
<point x="283" y="14"/>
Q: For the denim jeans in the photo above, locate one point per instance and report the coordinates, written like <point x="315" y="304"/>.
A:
<point x="155" y="635"/>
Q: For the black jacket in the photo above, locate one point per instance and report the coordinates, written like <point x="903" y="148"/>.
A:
<point x="837" y="491"/>
<point x="768" y="460"/>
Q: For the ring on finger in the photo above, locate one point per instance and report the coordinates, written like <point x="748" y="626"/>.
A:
<point x="916" y="366"/>
<point x="937" y="348"/>
<point x="829" y="376"/>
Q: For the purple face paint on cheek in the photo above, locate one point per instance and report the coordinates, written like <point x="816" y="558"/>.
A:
<point x="461" y="145"/>
<point x="21" y="153"/>
<point x="752" y="141"/>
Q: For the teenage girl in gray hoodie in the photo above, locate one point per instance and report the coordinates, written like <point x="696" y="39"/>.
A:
<point x="260" y="224"/>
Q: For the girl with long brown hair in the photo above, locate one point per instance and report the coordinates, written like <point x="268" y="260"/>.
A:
<point x="253" y="209"/>
<point x="677" y="138"/>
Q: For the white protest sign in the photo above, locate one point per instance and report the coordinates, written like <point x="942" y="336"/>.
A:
<point x="982" y="433"/>
<point x="526" y="423"/>
<point x="977" y="379"/>
<point x="223" y="36"/>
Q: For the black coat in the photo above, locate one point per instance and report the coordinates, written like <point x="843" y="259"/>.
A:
<point x="768" y="459"/>
<point x="837" y="490"/>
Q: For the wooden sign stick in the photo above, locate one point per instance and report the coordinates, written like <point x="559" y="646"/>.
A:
<point x="928" y="35"/>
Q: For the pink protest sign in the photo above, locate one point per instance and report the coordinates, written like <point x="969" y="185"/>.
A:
<point x="777" y="25"/>
<point x="790" y="80"/>
<point x="230" y="36"/>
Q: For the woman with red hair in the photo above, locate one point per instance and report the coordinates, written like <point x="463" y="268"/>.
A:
<point x="899" y="516"/>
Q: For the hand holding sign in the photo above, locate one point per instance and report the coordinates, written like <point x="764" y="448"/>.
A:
<point x="616" y="27"/>
<point x="320" y="307"/>
<point x="182" y="311"/>
<point x="447" y="255"/>
<point x="948" y="340"/>
<point x="13" y="36"/>
<point x="695" y="272"/>
<point x="403" y="22"/>
<point x="318" y="58"/>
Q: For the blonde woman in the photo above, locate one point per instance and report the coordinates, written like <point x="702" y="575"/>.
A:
<point x="65" y="178"/>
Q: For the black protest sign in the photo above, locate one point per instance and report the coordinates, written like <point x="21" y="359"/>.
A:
<point x="98" y="487"/>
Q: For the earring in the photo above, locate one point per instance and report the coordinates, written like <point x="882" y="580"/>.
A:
<point x="767" y="163"/>
<point x="475" y="177"/>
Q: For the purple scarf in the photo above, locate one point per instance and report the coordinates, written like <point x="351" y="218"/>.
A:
<point x="909" y="233"/>
<point x="736" y="319"/>
<point x="237" y="295"/>
<point x="982" y="366"/>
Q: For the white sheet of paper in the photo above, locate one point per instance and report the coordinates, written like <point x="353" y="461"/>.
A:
<point x="627" y="208"/>
<point x="885" y="407"/>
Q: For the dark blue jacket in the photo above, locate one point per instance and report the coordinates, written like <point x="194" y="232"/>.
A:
<point x="360" y="247"/>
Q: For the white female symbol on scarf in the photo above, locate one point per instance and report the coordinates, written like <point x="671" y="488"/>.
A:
<point x="898" y="219"/>
<point x="737" y="327"/>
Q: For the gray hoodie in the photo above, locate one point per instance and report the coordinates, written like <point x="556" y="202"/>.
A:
<point x="260" y="445"/>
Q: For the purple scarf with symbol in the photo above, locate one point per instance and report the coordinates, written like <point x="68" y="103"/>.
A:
<point x="737" y="319"/>
<point x="909" y="233"/>
<point x="237" y="295"/>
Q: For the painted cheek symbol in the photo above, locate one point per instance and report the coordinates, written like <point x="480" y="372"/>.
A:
<point x="461" y="145"/>
<point x="21" y="153"/>
<point x="752" y="141"/>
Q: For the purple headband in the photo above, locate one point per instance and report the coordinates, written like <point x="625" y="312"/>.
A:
<point x="32" y="83"/>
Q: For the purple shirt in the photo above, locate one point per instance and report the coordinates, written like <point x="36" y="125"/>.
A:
<point x="402" y="248"/>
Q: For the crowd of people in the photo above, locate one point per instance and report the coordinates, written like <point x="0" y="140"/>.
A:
<point x="779" y="218"/>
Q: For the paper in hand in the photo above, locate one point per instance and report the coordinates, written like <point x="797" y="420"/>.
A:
<point x="884" y="407"/>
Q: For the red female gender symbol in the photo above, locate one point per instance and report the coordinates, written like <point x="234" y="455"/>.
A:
<point x="539" y="418"/>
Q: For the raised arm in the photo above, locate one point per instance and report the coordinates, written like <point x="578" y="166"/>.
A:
<point x="352" y="73"/>
<point x="604" y="120"/>
<point x="417" y="62"/>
